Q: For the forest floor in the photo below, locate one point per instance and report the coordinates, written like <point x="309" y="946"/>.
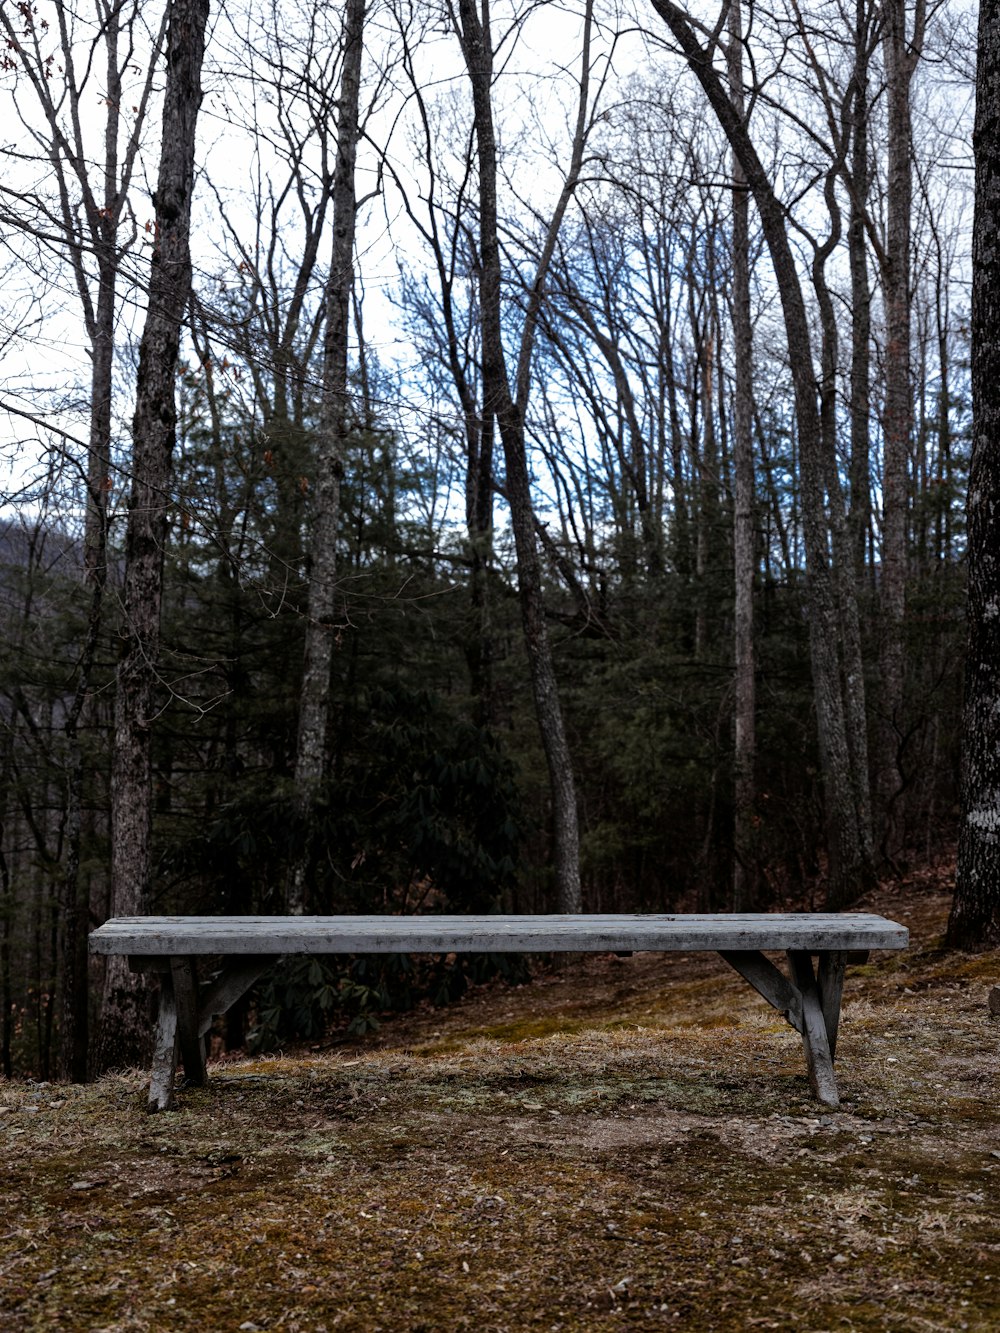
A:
<point x="623" y="1143"/>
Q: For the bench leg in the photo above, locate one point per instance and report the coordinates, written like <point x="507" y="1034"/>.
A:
<point x="831" y="987"/>
<point x="768" y="981"/>
<point x="231" y="985"/>
<point x="816" y="1025"/>
<point x="184" y="1018"/>
<point x="161" y="1083"/>
<point x="184" y="973"/>
<point x="810" y="1002"/>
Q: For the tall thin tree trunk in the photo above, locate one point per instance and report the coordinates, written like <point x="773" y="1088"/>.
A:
<point x="845" y="580"/>
<point x="896" y="431"/>
<point x="6" y="914"/>
<point x="942" y="534"/>
<point x="73" y="1004"/>
<point x="706" y="549"/>
<point x="975" y="914"/>
<point x="123" y="1027"/>
<point x="479" y="530"/>
<point x="681" y="525"/>
<point x="92" y="231"/>
<point x="901" y="56"/>
<point x="310" y="762"/>
<point x="846" y="643"/>
<point x="73" y="987"/>
<point x="508" y="410"/>
<point x="850" y="871"/>
<point x="744" y="732"/>
<point x="861" y="299"/>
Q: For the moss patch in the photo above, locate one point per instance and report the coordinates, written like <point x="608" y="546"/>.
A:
<point x="624" y="1143"/>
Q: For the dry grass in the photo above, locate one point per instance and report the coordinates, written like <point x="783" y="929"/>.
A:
<point x="623" y="1143"/>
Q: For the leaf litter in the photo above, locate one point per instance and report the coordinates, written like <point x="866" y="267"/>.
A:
<point x="623" y="1143"/>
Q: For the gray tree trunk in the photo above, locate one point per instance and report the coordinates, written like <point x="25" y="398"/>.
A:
<point x="901" y="57"/>
<point x="88" y="232"/>
<point x="975" y="913"/>
<point x="744" y="732"/>
<point x="861" y="299"/>
<point x="462" y="366"/>
<point x="850" y="870"/>
<point x="116" y="177"/>
<point x="508" y="410"/>
<point x="845" y="578"/>
<point x="310" y="761"/>
<point x="124" y="1029"/>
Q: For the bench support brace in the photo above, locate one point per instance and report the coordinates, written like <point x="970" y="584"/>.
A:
<point x="185" y="1018"/>
<point x="809" y="1000"/>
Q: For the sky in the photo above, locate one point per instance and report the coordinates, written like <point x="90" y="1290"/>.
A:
<point x="44" y="350"/>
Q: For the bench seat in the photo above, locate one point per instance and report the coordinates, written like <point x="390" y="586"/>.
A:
<point x="626" y="932"/>
<point x="808" y="996"/>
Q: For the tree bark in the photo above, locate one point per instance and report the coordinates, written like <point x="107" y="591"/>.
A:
<point x="744" y="733"/>
<point x="508" y="410"/>
<point x="861" y="321"/>
<point x="74" y="999"/>
<point x="844" y="572"/>
<point x="901" y="56"/>
<point x="124" y="1030"/>
<point x="90" y="231"/>
<point x="975" y="913"/>
<point x="850" y="870"/>
<point x="310" y="763"/>
<point x="444" y="322"/>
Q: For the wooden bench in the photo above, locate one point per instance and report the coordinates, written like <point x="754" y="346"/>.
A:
<point x="175" y="947"/>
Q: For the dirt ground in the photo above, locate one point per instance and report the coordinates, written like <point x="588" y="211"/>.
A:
<point x="623" y="1143"/>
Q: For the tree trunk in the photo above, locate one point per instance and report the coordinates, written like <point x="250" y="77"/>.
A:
<point x="91" y="237"/>
<point x="73" y="985"/>
<point x="900" y="59"/>
<point x="744" y="734"/>
<point x="479" y="528"/>
<point x="850" y="662"/>
<point x="124" y="1027"/>
<point x="850" y="870"/>
<point x="501" y="405"/>
<point x="74" y="1002"/>
<point x="861" y="320"/>
<point x="7" y="1006"/>
<point x="310" y="763"/>
<point x="975" y="913"/>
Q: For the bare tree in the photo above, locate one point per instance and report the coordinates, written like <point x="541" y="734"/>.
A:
<point x="903" y="50"/>
<point x="638" y="339"/>
<point x="285" y="82"/>
<point x="505" y="400"/>
<point x="859" y="170"/>
<point x="123" y="1029"/>
<point x="837" y="687"/>
<point x="442" y="318"/>
<point x="467" y="320"/>
<point x="975" y="914"/>
<point x="80" y="211"/>
<point x="744" y="562"/>
<point x="310" y="761"/>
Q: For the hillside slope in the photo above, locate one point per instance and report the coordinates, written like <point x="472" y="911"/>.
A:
<point x="626" y="1142"/>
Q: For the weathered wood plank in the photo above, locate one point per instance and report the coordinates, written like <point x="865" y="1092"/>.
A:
<point x="814" y="1038"/>
<point x="161" y="1083"/>
<point x="184" y="974"/>
<point x="768" y="981"/>
<point x="233" y="983"/>
<point x="656" y="932"/>
<point x="831" y="988"/>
